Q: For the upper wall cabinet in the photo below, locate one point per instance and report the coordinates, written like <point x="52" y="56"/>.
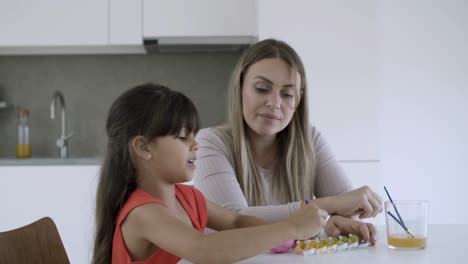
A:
<point x="125" y="17"/>
<point x="120" y="26"/>
<point x="26" y="23"/>
<point x="201" y="18"/>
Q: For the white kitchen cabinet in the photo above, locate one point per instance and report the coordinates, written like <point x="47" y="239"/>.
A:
<point x="337" y="42"/>
<point x="65" y="193"/>
<point x="125" y="18"/>
<point x="120" y="26"/>
<point x="25" y="23"/>
<point x="202" y="18"/>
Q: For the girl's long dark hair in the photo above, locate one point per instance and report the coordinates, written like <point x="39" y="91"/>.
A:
<point x="149" y="110"/>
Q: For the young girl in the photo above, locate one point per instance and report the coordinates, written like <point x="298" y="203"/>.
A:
<point x="144" y="215"/>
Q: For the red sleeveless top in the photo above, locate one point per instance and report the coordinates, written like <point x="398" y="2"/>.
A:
<point x="192" y="201"/>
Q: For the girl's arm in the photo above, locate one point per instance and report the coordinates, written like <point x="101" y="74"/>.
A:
<point x="220" y="218"/>
<point x="154" y="223"/>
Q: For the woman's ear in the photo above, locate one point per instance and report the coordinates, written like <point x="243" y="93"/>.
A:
<point x="139" y="146"/>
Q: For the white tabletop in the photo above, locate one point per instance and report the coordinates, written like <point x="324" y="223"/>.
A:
<point x="445" y="244"/>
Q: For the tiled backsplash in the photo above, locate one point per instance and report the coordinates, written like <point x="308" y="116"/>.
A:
<point x="90" y="83"/>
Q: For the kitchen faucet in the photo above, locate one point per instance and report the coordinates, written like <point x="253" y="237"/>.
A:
<point x="63" y="139"/>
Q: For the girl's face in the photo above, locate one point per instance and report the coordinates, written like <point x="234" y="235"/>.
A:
<point x="173" y="157"/>
<point x="269" y="92"/>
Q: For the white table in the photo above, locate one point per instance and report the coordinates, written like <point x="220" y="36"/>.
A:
<point x="446" y="244"/>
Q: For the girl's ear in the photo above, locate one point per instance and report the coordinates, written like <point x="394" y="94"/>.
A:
<point x="139" y="146"/>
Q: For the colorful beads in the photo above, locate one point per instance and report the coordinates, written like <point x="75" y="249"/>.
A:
<point x="331" y="245"/>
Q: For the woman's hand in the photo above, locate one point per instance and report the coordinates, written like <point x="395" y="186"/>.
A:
<point x="339" y="225"/>
<point x="363" y="202"/>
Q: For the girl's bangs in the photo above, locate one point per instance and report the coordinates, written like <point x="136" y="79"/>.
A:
<point x="177" y="113"/>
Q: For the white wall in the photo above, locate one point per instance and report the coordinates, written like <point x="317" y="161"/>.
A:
<point x="423" y="53"/>
<point x="337" y="43"/>
<point x="389" y="90"/>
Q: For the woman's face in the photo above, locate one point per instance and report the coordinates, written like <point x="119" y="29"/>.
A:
<point x="269" y="92"/>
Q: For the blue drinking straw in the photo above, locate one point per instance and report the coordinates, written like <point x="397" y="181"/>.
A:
<point x="394" y="206"/>
<point x="401" y="223"/>
<point x="403" y="226"/>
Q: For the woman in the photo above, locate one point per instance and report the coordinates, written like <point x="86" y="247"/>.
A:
<point x="268" y="159"/>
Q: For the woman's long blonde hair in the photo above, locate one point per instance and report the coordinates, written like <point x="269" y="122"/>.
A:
<point x="294" y="174"/>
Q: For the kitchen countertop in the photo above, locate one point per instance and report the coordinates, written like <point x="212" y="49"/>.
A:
<point x="50" y="162"/>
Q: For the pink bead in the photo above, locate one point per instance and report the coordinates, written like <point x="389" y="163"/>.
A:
<point x="283" y="247"/>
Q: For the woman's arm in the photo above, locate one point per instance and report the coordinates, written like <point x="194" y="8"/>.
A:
<point x="333" y="188"/>
<point x="154" y="223"/>
<point x="215" y="177"/>
<point x="330" y="178"/>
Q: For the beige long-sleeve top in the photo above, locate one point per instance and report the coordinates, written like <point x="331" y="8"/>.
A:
<point x="215" y="175"/>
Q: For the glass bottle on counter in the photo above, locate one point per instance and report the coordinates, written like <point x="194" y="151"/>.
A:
<point x="23" y="146"/>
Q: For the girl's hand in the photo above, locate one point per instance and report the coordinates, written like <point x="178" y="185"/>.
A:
<point x="339" y="225"/>
<point x="363" y="202"/>
<point x="308" y="221"/>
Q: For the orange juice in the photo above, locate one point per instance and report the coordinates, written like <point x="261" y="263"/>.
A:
<point x="405" y="241"/>
<point x="23" y="151"/>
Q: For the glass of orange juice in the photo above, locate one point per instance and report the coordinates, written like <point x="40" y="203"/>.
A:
<point x="406" y="224"/>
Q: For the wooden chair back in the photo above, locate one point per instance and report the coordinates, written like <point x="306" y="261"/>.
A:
<point x="38" y="242"/>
